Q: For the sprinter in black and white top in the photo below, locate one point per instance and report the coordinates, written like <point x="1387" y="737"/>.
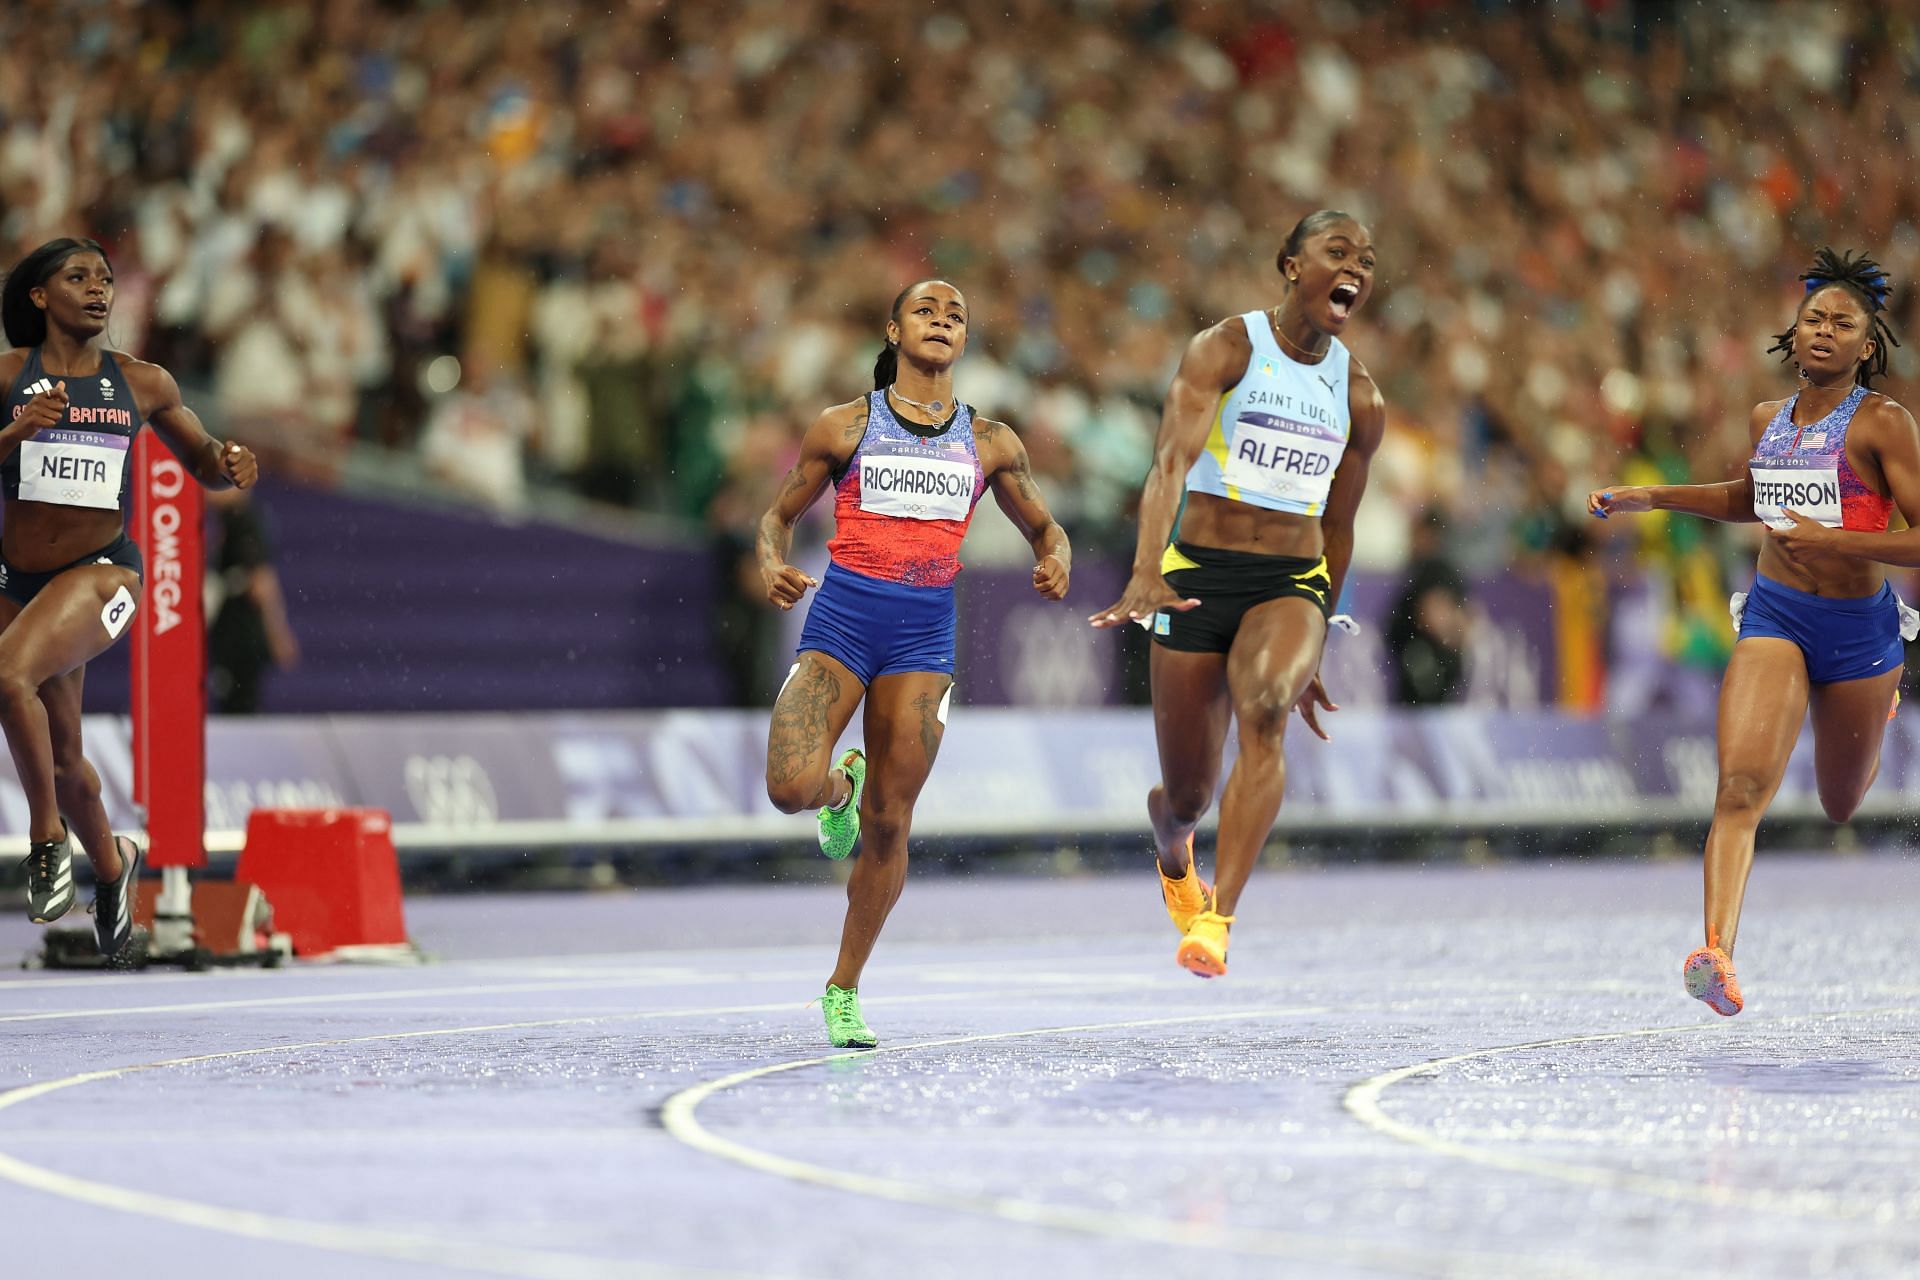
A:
<point x="1267" y="435"/>
<point x="70" y="578"/>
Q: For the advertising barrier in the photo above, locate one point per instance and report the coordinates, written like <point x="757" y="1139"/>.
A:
<point x="587" y="778"/>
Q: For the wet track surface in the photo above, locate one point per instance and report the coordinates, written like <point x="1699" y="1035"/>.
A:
<point x="1445" y="1072"/>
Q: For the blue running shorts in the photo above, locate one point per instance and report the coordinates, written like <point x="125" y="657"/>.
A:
<point x="21" y="587"/>
<point x="879" y="628"/>
<point x="1840" y="639"/>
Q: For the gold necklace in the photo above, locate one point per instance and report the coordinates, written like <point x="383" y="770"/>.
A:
<point x="1273" y="319"/>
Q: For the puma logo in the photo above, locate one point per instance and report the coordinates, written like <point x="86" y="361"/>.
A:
<point x="1324" y="381"/>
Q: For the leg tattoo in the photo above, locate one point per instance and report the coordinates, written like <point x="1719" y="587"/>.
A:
<point x="928" y="705"/>
<point x="800" y="721"/>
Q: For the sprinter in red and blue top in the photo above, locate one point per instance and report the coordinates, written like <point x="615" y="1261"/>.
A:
<point x="907" y="464"/>
<point x="70" y="578"/>
<point x="1820" y="627"/>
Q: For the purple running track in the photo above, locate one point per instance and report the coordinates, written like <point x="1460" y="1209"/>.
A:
<point x="1460" y="1071"/>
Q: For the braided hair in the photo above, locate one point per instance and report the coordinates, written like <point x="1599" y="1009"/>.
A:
<point x="1866" y="280"/>
<point x="886" y="367"/>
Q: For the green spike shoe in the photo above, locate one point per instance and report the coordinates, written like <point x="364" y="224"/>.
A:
<point x="845" y="1027"/>
<point x="840" y="828"/>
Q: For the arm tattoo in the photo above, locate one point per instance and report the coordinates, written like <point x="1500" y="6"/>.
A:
<point x="858" y="427"/>
<point x="1023" y="479"/>
<point x="802" y="721"/>
<point x="928" y="705"/>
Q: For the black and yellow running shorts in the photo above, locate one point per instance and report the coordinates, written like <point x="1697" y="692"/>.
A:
<point x="1227" y="584"/>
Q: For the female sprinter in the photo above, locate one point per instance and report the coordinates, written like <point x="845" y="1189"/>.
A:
<point x="1820" y="627"/>
<point x="907" y="465"/>
<point x="70" y="577"/>
<point x="1268" y="431"/>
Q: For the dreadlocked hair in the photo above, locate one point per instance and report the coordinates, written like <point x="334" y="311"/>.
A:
<point x="1866" y="280"/>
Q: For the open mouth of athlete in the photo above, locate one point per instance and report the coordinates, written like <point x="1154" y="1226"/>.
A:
<point x="1820" y="349"/>
<point x="97" y="309"/>
<point x="940" y="338"/>
<point x="1341" y="300"/>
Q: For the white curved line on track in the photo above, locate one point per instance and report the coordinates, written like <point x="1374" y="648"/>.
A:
<point x="678" y="1114"/>
<point x="1362" y="1101"/>
<point x="376" y="1242"/>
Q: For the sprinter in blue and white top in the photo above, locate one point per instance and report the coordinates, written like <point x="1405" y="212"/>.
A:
<point x="1279" y="433"/>
<point x="1266" y="437"/>
<point x="70" y="578"/>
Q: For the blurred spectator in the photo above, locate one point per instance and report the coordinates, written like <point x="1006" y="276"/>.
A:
<point x="1430" y="623"/>
<point x="746" y="632"/>
<point x="477" y="434"/>
<point x="249" y="633"/>
<point x="666" y="220"/>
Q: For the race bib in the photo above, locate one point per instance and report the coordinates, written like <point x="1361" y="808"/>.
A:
<point x="73" y="468"/>
<point x="1812" y="489"/>
<point x="1280" y="458"/>
<point x="916" y="488"/>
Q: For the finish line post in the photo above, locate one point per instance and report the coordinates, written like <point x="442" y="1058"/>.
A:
<point x="169" y="662"/>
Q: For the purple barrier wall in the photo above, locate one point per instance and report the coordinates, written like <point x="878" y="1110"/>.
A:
<point x="405" y="608"/>
<point x="1019" y="650"/>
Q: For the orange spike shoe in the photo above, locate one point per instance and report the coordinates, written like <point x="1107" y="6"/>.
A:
<point x="1203" y="952"/>
<point x="1710" y="979"/>
<point x="1187" y="897"/>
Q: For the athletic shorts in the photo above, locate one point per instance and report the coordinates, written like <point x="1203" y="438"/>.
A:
<point x="21" y="587"/>
<point x="880" y="628"/>
<point x="1227" y="584"/>
<point x="1840" y="639"/>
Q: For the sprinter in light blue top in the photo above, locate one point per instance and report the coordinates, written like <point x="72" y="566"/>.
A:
<point x="1280" y="432"/>
<point x="1246" y="528"/>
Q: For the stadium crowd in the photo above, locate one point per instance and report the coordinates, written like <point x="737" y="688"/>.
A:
<point x="658" y="237"/>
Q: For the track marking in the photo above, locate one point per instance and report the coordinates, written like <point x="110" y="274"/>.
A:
<point x="678" y="1115"/>
<point x="373" y="1241"/>
<point x="332" y="997"/>
<point x="542" y="1265"/>
<point x="586" y="981"/>
<point x="611" y="981"/>
<point x="1362" y="1101"/>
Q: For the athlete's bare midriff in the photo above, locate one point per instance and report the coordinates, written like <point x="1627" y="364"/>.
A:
<point x="1835" y="577"/>
<point x="1227" y="525"/>
<point x="40" y="536"/>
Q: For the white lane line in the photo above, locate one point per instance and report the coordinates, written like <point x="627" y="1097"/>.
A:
<point x="679" y="1116"/>
<point x="333" y="997"/>
<point x="608" y="982"/>
<point x="65" y="984"/>
<point x="585" y="982"/>
<point x="1362" y="1101"/>
<point x="373" y="1241"/>
<point x="397" y="1246"/>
